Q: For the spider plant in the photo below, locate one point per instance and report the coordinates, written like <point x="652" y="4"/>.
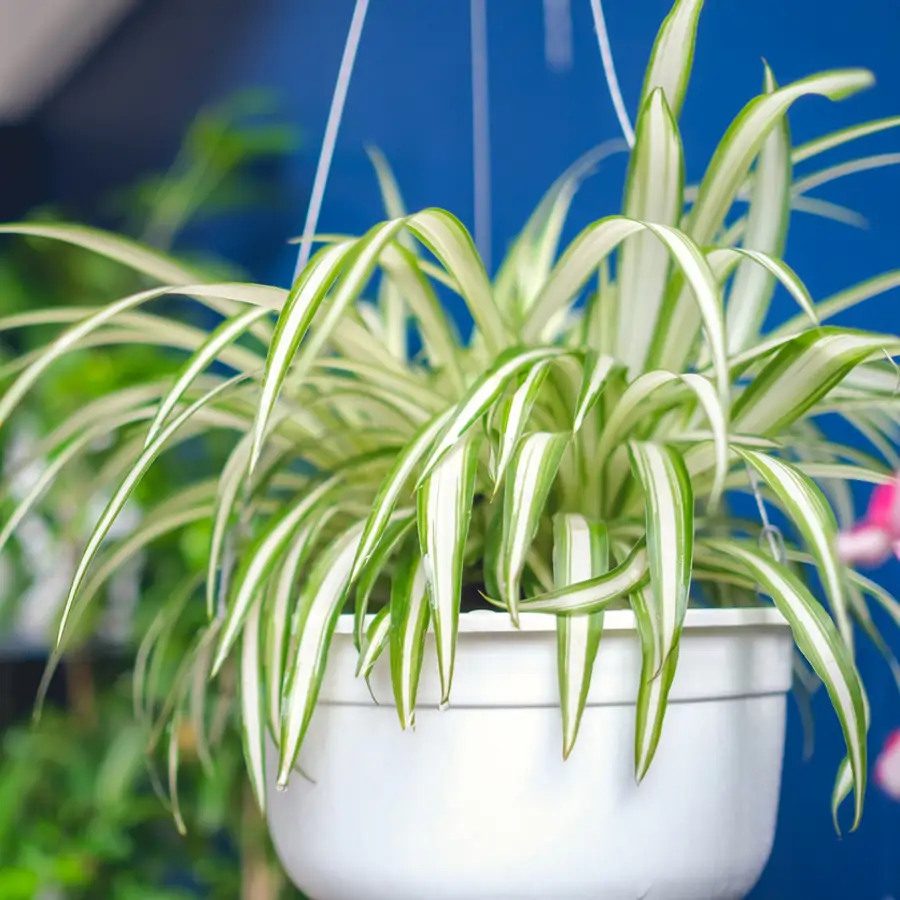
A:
<point x="578" y="450"/>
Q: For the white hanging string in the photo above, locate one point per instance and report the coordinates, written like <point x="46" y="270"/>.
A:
<point x="481" y="141"/>
<point x="331" y="131"/>
<point x="558" y="34"/>
<point x="609" y="70"/>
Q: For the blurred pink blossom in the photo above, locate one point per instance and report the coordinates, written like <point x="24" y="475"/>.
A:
<point x="877" y="536"/>
<point x="887" y="766"/>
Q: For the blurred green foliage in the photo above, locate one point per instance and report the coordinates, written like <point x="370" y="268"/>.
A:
<point x="83" y="811"/>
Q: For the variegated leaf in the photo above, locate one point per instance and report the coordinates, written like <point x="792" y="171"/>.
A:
<point x="483" y="393"/>
<point x="653" y="193"/>
<point x="809" y="511"/>
<point x="513" y="418"/>
<point x="669" y="505"/>
<point x="746" y="135"/>
<point x="259" y="560"/>
<point x="657" y="675"/>
<point x="395" y="532"/>
<point x="673" y="54"/>
<point x="409" y="611"/>
<point x="125" y="490"/>
<point x="597" y="593"/>
<point x="253" y="718"/>
<point x="818" y="640"/>
<point x="391" y="487"/>
<point x="315" y="620"/>
<point x="444" y="514"/>
<point x="767" y="225"/>
<point x="531" y="476"/>
<point x="598" y="368"/>
<point x="580" y="552"/>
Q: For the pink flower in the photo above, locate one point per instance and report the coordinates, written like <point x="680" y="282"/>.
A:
<point x="887" y="767"/>
<point x="877" y="536"/>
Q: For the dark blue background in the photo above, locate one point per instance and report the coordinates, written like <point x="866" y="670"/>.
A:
<point x="411" y="95"/>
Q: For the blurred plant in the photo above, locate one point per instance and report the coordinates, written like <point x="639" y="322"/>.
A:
<point x="215" y="172"/>
<point x="79" y="816"/>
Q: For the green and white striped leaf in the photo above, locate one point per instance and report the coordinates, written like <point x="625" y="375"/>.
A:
<point x="357" y="271"/>
<point x="395" y="532"/>
<point x="119" y="249"/>
<point x="745" y="137"/>
<point x="598" y="368"/>
<point x="377" y="637"/>
<point x="278" y="613"/>
<point x="718" y="425"/>
<point x="809" y="511"/>
<point x="843" y="783"/>
<point x="531" y="476"/>
<point x="72" y="338"/>
<point x="514" y="416"/>
<point x="843" y="136"/>
<point x="819" y="641"/>
<point x="446" y="237"/>
<point x="124" y="491"/>
<point x="584" y="255"/>
<point x="772" y="268"/>
<point x="444" y="513"/>
<point x="767" y="224"/>
<point x="259" y="561"/>
<point x="390" y="297"/>
<point x="653" y="193"/>
<point x="673" y="54"/>
<point x="528" y="262"/>
<point x="300" y="308"/>
<point x="580" y="552"/>
<point x="392" y="486"/>
<point x="483" y="393"/>
<point x="669" y="505"/>
<point x="633" y="406"/>
<point x="442" y="344"/>
<point x="225" y="335"/>
<point x="843" y="300"/>
<point x="657" y="674"/>
<point x="409" y="612"/>
<point x="597" y="593"/>
<point x="316" y="617"/>
<point x="253" y="718"/>
<point x="230" y="483"/>
<point x="803" y="371"/>
<point x="162" y="521"/>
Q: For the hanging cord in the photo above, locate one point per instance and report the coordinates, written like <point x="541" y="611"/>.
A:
<point x="481" y="136"/>
<point x="771" y="533"/>
<point x="558" y="34"/>
<point x="331" y="131"/>
<point x="609" y="70"/>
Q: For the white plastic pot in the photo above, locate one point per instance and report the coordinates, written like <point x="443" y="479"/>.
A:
<point x="477" y="803"/>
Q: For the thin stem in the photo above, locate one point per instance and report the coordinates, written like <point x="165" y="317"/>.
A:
<point x="331" y="131"/>
<point x="609" y="69"/>
<point x="481" y="142"/>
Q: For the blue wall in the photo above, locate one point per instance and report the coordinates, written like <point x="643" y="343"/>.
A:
<point x="411" y="96"/>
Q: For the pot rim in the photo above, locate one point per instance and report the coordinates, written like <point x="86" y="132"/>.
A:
<point x="484" y="621"/>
